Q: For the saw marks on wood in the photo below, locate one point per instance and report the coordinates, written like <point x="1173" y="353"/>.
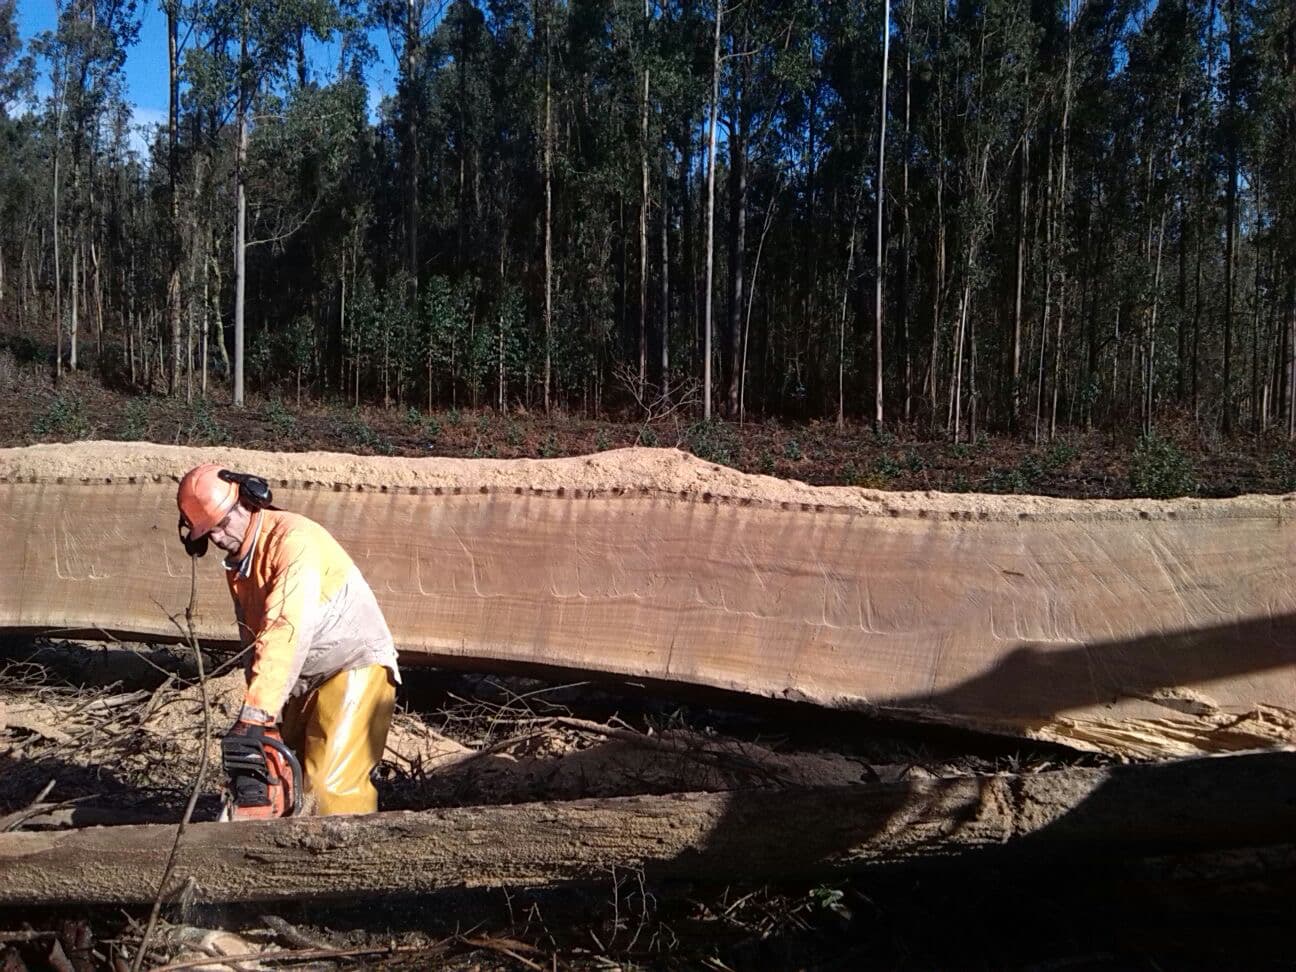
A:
<point x="1134" y="627"/>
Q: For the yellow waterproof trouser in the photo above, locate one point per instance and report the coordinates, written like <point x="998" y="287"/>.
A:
<point x="338" y="732"/>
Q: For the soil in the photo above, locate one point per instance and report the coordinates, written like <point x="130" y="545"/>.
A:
<point x="1077" y="464"/>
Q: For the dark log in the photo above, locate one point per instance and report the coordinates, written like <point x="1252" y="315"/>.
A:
<point x="1085" y="815"/>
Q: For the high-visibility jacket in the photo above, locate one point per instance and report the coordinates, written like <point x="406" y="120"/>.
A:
<point x="304" y="608"/>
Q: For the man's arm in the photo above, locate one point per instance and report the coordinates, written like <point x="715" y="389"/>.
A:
<point x="279" y="647"/>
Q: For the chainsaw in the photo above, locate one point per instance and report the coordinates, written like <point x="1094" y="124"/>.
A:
<point x="263" y="777"/>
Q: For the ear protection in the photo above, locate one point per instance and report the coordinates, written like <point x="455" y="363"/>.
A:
<point x="253" y="492"/>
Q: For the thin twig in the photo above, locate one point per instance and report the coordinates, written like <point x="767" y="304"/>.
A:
<point x="36" y="807"/>
<point x="25" y="936"/>
<point x="198" y="781"/>
<point x="505" y="947"/>
<point x="290" y="955"/>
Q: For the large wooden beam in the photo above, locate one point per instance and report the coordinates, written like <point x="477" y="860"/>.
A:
<point x="1181" y="806"/>
<point x="1134" y="627"/>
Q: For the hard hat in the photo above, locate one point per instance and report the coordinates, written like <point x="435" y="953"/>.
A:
<point x="205" y="498"/>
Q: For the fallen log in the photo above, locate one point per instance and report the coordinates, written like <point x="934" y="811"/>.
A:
<point x="1142" y="628"/>
<point x="1183" y="806"/>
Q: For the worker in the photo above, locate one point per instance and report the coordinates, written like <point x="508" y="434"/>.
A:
<point x="321" y="662"/>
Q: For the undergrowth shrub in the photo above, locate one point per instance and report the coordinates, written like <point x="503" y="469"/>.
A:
<point x="713" y="440"/>
<point x="64" y="417"/>
<point x="1159" y="469"/>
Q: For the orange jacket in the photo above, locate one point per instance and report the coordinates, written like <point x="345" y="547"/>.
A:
<point x="305" y="609"/>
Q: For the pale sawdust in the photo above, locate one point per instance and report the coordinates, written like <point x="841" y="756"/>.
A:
<point x="632" y="471"/>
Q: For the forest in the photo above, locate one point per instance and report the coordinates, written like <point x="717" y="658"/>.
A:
<point x="1019" y="216"/>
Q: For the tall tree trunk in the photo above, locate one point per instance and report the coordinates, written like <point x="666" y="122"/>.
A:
<point x="643" y="213"/>
<point x="938" y="282"/>
<point x="1063" y="235"/>
<point x="1291" y="359"/>
<point x="548" y="217"/>
<point x="737" y="252"/>
<point x="1150" y="400"/>
<point x="61" y="95"/>
<point x="205" y="253"/>
<point x="907" y="150"/>
<point x="881" y="203"/>
<point x="665" y="276"/>
<point x="173" y="231"/>
<point x="74" y="298"/>
<point x="1230" y="230"/>
<point x="847" y="280"/>
<point x="1256" y="411"/>
<point x="240" y="221"/>
<point x="751" y="295"/>
<point x="1023" y="195"/>
<point x="710" y="213"/>
<point x="411" y="52"/>
<point x="1047" y="304"/>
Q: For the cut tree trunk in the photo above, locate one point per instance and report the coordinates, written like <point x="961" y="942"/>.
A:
<point x="1121" y="626"/>
<point x="1080" y="815"/>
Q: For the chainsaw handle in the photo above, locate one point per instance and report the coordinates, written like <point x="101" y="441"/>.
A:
<point x="293" y="765"/>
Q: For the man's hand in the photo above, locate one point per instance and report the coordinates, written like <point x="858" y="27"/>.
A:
<point x="262" y="779"/>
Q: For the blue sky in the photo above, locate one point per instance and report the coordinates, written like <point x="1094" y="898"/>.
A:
<point x="146" y="62"/>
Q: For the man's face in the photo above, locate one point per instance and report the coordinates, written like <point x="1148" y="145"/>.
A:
<point x="228" y="534"/>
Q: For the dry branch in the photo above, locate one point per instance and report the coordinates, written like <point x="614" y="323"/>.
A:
<point x="1178" y="807"/>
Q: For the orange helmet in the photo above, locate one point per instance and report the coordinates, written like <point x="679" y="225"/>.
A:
<point x="204" y="498"/>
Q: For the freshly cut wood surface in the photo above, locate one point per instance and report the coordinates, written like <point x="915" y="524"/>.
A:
<point x="1133" y="627"/>
<point x="1186" y="806"/>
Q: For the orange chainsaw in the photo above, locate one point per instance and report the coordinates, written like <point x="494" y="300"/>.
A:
<point x="264" y="778"/>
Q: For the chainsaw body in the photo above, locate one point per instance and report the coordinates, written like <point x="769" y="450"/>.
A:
<point x="264" y="778"/>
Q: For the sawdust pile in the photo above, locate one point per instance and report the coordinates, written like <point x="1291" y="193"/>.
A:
<point x="632" y="470"/>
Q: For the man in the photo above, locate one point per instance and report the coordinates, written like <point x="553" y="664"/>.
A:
<point x="321" y="659"/>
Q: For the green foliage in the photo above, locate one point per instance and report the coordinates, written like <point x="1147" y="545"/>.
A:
<point x="550" y="448"/>
<point x="850" y="474"/>
<point x="203" y="427"/>
<point x="1160" y="469"/>
<point x="1006" y="481"/>
<point x="886" y="467"/>
<point x="413" y="417"/>
<point x="63" y="417"/>
<point x="454" y="418"/>
<point x="432" y="429"/>
<point x="1060" y="454"/>
<point x="883" y="437"/>
<point x="714" y="441"/>
<point x="831" y="899"/>
<point x="135" y="422"/>
<point x="513" y="434"/>
<point x="647" y="436"/>
<point x="913" y="461"/>
<point x="282" y="421"/>
<point x="601" y="443"/>
<point x="1282" y="466"/>
<point x="792" y="450"/>
<point x="363" y="436"/>
<point x="765" y="463"/>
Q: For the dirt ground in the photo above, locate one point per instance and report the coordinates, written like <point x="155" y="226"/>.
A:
<point x="1077" y="464"/>
<point x="118" y="730"/>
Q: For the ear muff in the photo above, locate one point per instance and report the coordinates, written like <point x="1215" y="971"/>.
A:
<point x="254" y="492"/>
